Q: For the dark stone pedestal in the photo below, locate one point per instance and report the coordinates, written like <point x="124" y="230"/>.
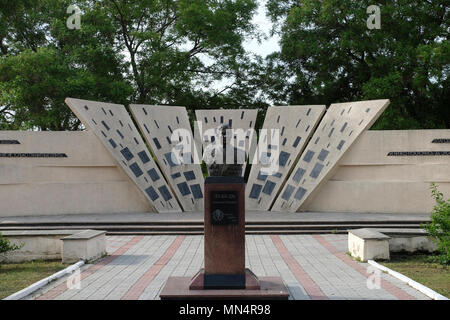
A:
<point x="224" y="275"/>
<point x="202" y="281"/>
<point x="224" y="233"/>
<point x="177" y="288"/>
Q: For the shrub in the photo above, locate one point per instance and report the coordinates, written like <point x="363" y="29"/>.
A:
<point x="439" y="227"/>
<point x="6" y="246"/>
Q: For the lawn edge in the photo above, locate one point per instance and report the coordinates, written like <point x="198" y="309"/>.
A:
<point x="416" y="285"/>
<point x="42" y="283"/>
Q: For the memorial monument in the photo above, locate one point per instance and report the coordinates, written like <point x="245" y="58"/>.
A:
<point x="224" y="274"/>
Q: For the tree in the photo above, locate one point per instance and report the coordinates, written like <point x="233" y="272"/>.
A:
<point x="43" y="62"/>
<point x="330" y="56"/>
<point x="149" y="51"/>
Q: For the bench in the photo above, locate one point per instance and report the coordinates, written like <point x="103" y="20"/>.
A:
<point x="67" y="245"/>
<point x="85" y="245"/>
<point x="377" y="243"/>
<point x="408" y="240"/>
<point x="367" y="244"/>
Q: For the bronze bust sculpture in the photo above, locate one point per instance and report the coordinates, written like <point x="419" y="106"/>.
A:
<point x="222" y="168"/>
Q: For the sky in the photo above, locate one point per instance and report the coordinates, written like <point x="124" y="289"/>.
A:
<point x="263" y="48"/>
<point x="263" y="22"/>
<point x="267" y="45"/>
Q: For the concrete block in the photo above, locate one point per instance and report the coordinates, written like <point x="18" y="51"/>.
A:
<point x="412" y="244"/>
<point x="367" y="244"/>
<point x="85" y="245"/>
<point x="409" y="240"/>
<point x="68" y="245"/>
<point x="36" y="245"/>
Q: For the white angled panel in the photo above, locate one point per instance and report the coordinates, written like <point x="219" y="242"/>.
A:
<point x="294" y="126"/>
<point x="339" y="128"/>
<point x="243" y="119"/>
<point x="112" y="124"/>
<point x="168" y="132"/>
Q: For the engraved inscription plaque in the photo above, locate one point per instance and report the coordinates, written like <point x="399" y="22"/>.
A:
<point x="224" y="208"/>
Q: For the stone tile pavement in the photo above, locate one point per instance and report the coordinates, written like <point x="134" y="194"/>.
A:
<point x="312" y="267"/>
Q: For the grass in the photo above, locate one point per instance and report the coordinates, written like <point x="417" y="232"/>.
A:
<point x="419" y="268"/>
<point x="17" y="276"/>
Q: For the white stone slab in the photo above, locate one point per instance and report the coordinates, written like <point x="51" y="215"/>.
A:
<point x="35" y="245"/>
<point x="167" y="130"/>
<point x="243" y="119"/>
<point x="70" y="245"/>
<point x="339" y="128"/>
<point x="294" y="125"/>
<point x="85" y="245"/>
<point x="368" y="244"/>
<point x="114" y="127"/>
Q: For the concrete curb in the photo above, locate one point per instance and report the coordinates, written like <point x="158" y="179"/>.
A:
<point x="42" y="283"/>
<point x="420" y="287"/>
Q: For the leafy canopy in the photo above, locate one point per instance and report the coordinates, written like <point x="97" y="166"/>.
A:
<point x="330" y="56"/>
<point x="149" y="51"/>
<point x="176" y="51"/>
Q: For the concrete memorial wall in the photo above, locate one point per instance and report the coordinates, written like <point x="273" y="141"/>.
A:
<point x="167" y="129"/>
<point x="86" y="180"/>
<point x="338" y="130"/>
<point x="112" y="124"/>
<point x="296" y="124"/>
<point x="388" y="171"/>
<point x="109" y="169"/>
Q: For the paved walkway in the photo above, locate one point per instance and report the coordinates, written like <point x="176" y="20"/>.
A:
<point x="312" y="267"/>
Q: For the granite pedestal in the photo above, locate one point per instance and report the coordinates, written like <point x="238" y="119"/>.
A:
<point x="224" y="275"/>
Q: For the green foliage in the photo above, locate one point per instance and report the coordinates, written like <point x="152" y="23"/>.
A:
<point x="150" y="51"/>
<point x="42" y="62"/>
<point x="439" y="228"/>
<point x="6" y="246"/>
<point x="175" y="51"/>
<point x="331" y="56"/>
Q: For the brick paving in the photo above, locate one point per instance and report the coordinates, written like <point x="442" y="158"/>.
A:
<point x="312" y="267"/>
